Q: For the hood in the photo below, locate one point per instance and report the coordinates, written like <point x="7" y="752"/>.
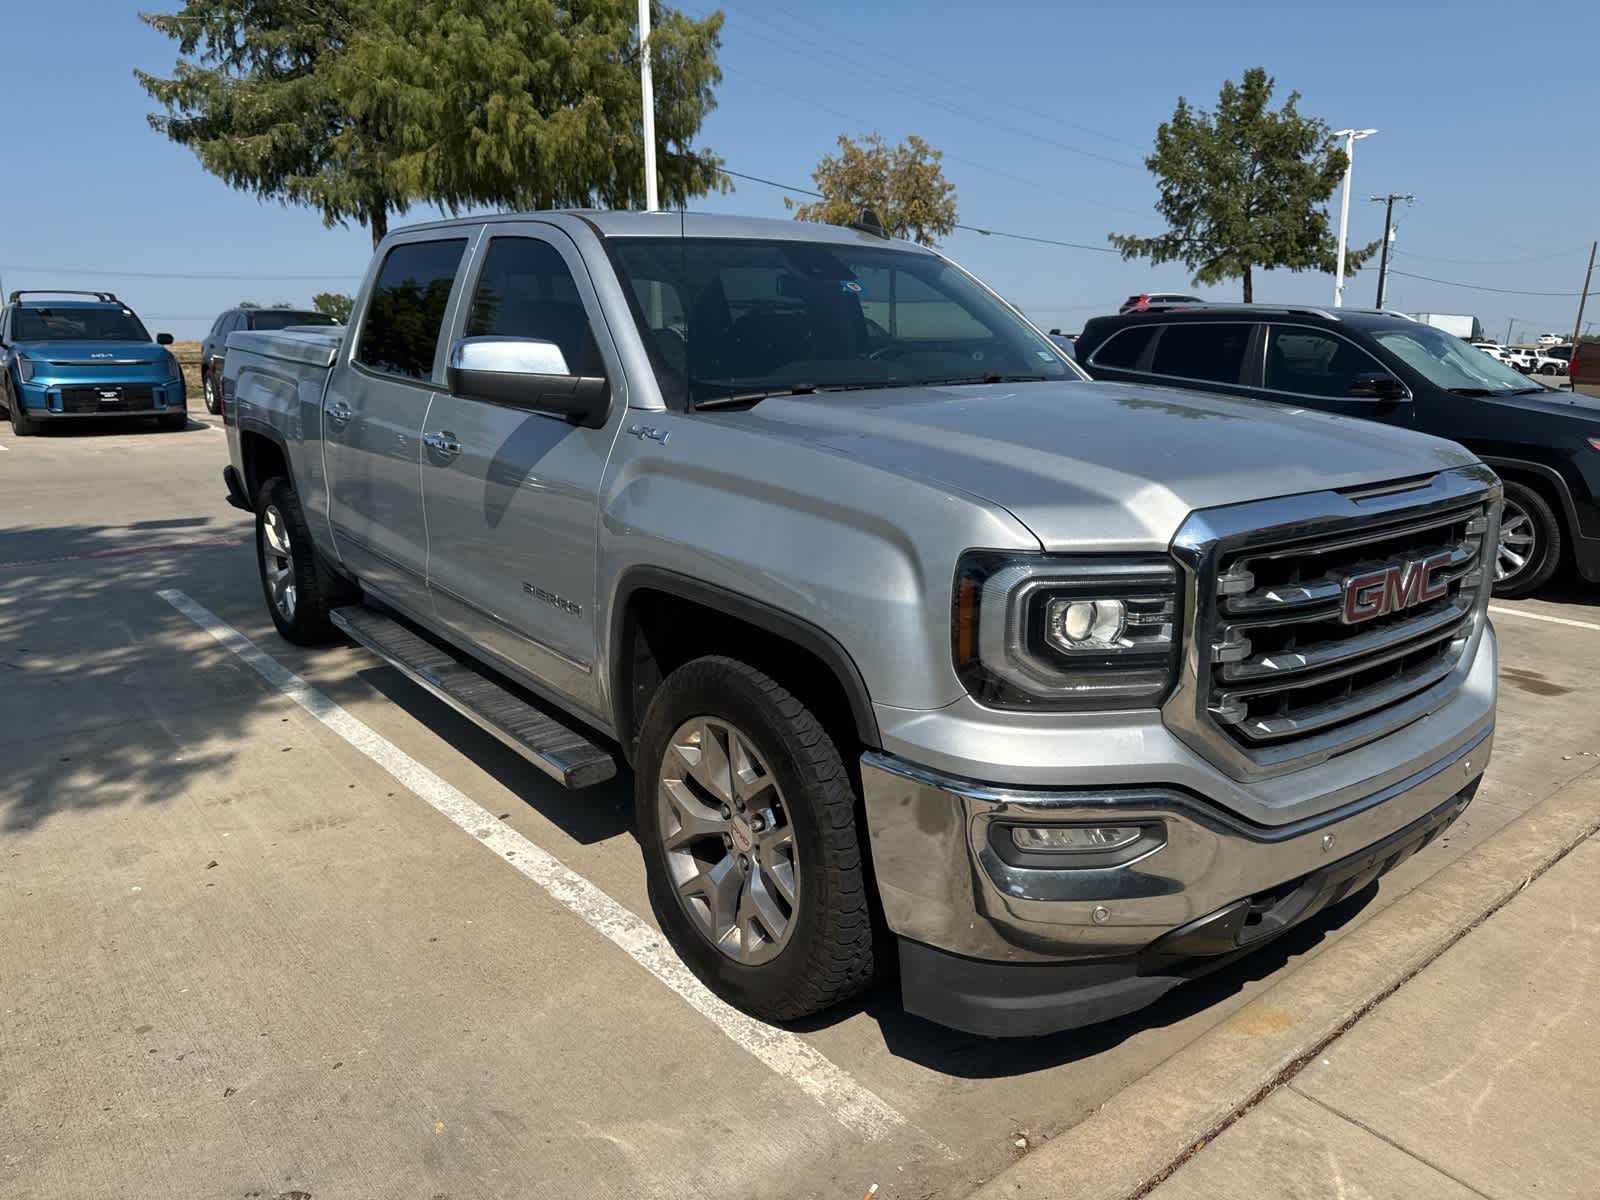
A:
<point x="91" y="353"/>
<point x="1548" y="401"/>
<point x="1103" y="466"/>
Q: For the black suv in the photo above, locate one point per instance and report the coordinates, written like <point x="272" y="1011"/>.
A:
<point x="215" y="345"/>
<point x="1383" y="367"/>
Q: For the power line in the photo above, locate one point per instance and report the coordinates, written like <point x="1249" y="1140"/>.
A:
<point x="1020" y="237"/>
<point x="1491" y="262"/>
<point x="1479" y="287"/>
<point x="181" y="275"/>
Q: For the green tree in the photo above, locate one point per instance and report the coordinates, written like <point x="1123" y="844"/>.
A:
<point x="1242" y="188"/>
<point x="247" y="304"/>
<point x="362" y="108"/>
<point x="335" y="304"/>
<point x="904" y="185"/>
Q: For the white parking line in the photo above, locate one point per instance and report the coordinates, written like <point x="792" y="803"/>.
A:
<point x="1528" y="616"/>
<point x="855" y="1107"/>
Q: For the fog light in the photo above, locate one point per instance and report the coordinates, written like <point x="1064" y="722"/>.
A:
<point x="1074" y="837"/>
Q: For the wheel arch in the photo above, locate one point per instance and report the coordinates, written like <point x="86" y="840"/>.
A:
<point x="661" y="619"/>
<point x="262" y="455"/>
<point x="1545" y="480"/>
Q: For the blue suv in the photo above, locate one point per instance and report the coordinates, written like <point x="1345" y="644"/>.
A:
<point x="76" y="359"/>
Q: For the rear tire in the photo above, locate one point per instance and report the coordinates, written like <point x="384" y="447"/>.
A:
<point x="1529" y="550"/>
<point x="211" y="388"/>
<point x="300" y="589"/>
<point x="769" y="904"/>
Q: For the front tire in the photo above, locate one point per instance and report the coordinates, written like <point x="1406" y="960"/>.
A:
<point x="747" y="820"/>
<point x="21" y="424"/>
<point x="299" y="587"/>
<point x="1529" y="550"/>
<point x="212" y="390"/>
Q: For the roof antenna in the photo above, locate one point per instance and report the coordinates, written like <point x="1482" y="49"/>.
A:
<point x="868" y="222"/>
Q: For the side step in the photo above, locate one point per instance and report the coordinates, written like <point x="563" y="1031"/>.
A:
<point x="556" y="747"/>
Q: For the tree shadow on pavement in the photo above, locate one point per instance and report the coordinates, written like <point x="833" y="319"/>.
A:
<point x="969" y="1056"/>
<point x="107" y="697"/>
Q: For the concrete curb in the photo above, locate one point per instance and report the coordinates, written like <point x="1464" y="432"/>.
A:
<point x="1143" y="1133"/>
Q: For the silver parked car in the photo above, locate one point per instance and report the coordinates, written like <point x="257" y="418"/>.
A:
<point x="1075" y="690"/>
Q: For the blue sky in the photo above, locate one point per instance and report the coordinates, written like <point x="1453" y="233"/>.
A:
<point x="1044" y="111"/>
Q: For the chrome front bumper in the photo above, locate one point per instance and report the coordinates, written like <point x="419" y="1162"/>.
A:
<point x="943" y="884"/>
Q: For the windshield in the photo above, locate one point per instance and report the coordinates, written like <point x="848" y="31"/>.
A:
<point x="728" y="320"/>
<point x="278" y="318"/>
<point x="1450" y="363"/>
<point x="43" y="324"/>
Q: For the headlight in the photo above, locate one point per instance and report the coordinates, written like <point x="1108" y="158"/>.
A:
<point x="1032" y="631"/>
<point x="24" y="367"/>
<point x="174" y="371"/>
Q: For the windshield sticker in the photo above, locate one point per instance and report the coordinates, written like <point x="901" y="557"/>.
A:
<point x="853" y="286"/>
<point x="1045" y="356"/>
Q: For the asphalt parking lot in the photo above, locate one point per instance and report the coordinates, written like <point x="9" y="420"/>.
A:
<point x="275" y="923"/>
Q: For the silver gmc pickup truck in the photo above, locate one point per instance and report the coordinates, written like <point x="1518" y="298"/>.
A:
<point x="920" y="645"/>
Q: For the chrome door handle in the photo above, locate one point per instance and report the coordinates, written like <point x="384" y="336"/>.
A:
<point x="442" y="443"/>
<point x="339" y="413"/>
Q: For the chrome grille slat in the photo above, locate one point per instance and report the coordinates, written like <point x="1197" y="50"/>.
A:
<point x="1324" y="589"/>
<point x="1364" y="538"/>
<point x="1270" y="729"/>
<point x="1435" y="624"/>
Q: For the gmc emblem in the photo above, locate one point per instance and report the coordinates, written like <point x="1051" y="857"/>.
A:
<point x="1392" y="589"/>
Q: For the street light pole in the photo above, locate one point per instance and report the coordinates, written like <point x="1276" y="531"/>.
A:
<point x="1351" y="137"/>
<point x="648" y="88"/>
<point x="1388" y="223"/>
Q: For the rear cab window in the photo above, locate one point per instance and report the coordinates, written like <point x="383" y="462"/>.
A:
<point x="405" y="315"/>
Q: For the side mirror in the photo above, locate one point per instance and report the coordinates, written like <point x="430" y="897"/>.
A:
<point x="1378" y="385"/>
<point x="526" y="373"/>
<point x="163" y="339"/>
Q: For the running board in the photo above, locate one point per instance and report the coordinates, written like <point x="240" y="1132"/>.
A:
<point x="556" y="747"/>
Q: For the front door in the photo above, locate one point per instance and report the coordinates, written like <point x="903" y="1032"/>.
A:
<point x="373" y="414"/>
<point x="1319" y="369"/>
<point x="512" y="497"/>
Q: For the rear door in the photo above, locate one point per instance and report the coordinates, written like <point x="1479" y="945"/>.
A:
<point x="373" y="413"/>
<point x="512" y="497"/>
<point x="1208" y="355"/>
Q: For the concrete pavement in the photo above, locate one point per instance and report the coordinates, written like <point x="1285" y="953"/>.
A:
<point x="285" y="1021"/>
<point x="1480" y="1077"/>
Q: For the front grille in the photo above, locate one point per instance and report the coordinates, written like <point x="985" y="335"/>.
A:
<point x="1285" y="664"/>
<point x="108" y="398"/>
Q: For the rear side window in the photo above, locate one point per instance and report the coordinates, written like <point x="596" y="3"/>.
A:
<point x="1125" y="348"/>
<point x="1202" y="350"/>
<point x="526" y="290"/>
<point x="401" y="332"/>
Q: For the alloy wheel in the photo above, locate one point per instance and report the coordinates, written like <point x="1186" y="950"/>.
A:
<point x="277" y="562"/>
<point x="730" y="848"/>
<point x="1518" y="542"/>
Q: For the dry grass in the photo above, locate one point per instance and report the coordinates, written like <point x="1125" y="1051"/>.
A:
<point x="189" y="359"/>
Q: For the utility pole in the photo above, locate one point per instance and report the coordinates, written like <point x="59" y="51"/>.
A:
<point x="1583" y="296"/>
<point x="648" y="87"/>
<point x="1507" y="342"/>
<point x="1351" y="136"/>
<point x="1388" y="225"/>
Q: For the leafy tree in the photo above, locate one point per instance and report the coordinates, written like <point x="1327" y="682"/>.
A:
<point x="1241" y="188"/>
<point x="903" y="184"/>
<point x="283" y="304"/>
<point x="248" y="304"/>
<point x="362" y="108"/>
<point x="336" y="304"/>
<point x="533" y="103"/>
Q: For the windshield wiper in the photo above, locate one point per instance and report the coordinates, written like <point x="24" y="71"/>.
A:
<point x="1527" y="391"/>
<point x="801" y="389"/>
<point x="958" y="380"/>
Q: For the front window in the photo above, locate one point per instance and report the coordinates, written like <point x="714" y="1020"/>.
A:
<point x="45" y="324"/>
<point x="1450" y="363"/>
<point x="732" y="320"/>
